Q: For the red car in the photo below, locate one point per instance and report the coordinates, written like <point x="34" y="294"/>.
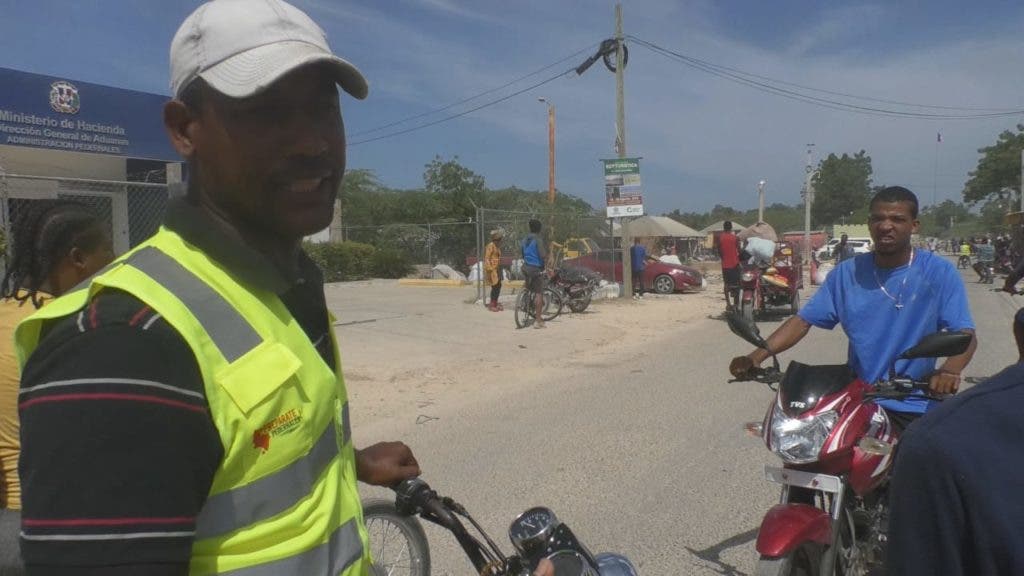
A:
<point x="659" y="277"/>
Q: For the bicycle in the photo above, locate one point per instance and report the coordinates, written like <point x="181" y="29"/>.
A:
<point x="526" y="302"/>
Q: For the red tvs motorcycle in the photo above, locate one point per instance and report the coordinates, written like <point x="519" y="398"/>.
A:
<point x="836" y="446"/>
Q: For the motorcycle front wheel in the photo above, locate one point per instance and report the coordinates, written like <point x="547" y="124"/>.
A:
<point x="398" y="544"/>
<point x="747" y="311"/>
<point x="803" y="561"/>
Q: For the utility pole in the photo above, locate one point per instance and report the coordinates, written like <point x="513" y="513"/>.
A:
<point x="551" y="177"/>
<point x="808" y="198"/>
<point x="620" y="126"/>
<point x="760" y="200"/>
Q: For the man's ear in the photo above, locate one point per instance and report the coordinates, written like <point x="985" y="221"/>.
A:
<point x="181" y="123"/>
<point x="77" y="258"/>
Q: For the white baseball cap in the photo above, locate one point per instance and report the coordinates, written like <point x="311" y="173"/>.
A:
<point x="241" y="47"/>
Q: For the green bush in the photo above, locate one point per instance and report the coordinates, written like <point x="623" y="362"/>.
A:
<point x="342" y="261"/>
<point x="390" y="263"/>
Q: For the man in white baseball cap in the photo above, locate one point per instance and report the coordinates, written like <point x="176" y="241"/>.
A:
<point x="210" y="430"/>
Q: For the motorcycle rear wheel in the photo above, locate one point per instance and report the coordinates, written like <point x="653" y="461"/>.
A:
<point x="398" y="544"/>
<point x="803" y="561"/>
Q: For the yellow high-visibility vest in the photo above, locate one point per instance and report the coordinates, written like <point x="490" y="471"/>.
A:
<point x="284" y="499"/>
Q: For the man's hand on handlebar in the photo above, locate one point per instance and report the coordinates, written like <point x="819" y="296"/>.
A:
<point x="943" y="382"/>
<point x="743" y="367"/>
<point x="386" y="464"/>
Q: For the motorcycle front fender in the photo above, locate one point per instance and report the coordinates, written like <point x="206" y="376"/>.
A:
<point x="786" y="526"/>
<point x="614" y="565"/>
<point x="748" y="295"/>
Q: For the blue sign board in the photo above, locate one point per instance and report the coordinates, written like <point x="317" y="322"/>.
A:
<point x="58" y="114"/>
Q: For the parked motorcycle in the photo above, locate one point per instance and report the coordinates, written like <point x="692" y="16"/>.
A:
<point x="964" y="261"/>
<point x="837" y="447"/>
<point x="576" y="286"/>
<point x="535" y="534"/>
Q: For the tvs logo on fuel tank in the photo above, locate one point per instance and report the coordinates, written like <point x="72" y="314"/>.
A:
<point x="64" y="97"/>
<point x="284" y="424"/>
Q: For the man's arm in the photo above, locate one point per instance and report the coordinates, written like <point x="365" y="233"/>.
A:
<point x="946" y="379"/>
<point x="784" y="338"/>
<point x="118" y="448"/>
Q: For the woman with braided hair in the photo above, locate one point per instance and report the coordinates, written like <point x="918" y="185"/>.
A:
<point x="56" y="244"/>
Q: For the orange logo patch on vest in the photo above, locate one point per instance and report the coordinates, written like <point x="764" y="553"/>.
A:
<point x="279" y="426"/>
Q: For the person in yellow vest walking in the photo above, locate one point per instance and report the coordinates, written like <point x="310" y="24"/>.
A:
<point x="185" y="412"/>
<point x="55" y="245"/>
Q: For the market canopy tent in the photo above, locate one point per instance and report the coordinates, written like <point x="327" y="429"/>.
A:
<point x="655" y="226"/>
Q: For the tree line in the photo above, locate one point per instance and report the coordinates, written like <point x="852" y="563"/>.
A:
<point x="451" y="193"/>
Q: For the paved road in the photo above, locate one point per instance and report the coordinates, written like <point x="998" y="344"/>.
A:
<point x="644" y="454"/>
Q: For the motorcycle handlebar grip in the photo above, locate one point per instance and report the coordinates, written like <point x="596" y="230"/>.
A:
<point x="414" y="496"/>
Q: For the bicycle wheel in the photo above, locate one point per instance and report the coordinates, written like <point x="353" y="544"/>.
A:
<point x="524" y="309"/>
<point x="553" y="304"/>
<point x="398" y="544"/>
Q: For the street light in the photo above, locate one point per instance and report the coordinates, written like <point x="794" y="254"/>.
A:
<point x="551" y="149"/>
<point x="760" y="203"/>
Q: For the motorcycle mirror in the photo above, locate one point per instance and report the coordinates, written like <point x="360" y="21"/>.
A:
<point x="745" y="329"/>
<point x="939" y="344"/>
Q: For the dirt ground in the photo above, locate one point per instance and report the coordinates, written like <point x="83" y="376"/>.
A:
<point x="411" y="354"/>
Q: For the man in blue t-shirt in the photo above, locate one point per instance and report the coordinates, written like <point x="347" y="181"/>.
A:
<point x="638" y="261"/>
<point x="534" y="257"/>
<point x="886" y="301"/>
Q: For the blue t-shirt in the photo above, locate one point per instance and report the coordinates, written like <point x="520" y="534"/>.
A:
<point x="932" y="299"/>
<point x="638" y="257"/>
<point x="532" y="251"/>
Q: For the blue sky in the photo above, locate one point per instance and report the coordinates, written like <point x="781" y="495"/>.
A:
<point x="704" y="140"/>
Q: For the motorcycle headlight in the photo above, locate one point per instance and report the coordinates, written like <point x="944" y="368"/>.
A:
<point x="799" y="440"/>
<point x="747" y="276"/>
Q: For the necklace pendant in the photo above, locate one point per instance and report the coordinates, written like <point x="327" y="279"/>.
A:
<point x="899" y="306"/>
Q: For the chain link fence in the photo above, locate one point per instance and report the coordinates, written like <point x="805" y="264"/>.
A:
<point x="132" y="211"/>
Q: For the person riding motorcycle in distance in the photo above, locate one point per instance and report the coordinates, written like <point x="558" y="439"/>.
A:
<point x="886" y="301"/>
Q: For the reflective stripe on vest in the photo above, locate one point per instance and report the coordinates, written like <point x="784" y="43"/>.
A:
<point x="270" y="495"/>
<point x="332" y="557"/>
<point x="231" y="333"/>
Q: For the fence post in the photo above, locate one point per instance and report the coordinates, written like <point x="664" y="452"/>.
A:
<point x="479" y="253"/>
<point x="430" y="242"/>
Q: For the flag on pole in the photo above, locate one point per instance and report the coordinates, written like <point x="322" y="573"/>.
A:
<point x="939" y="138"/>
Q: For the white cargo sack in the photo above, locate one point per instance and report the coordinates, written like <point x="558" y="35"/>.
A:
<point x="761" y="251"/>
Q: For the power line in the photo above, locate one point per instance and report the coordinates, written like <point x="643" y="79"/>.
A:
<point x="474" y="97"/>
<point x="738" y="77"/>
<point x="461" y="114"/>
<point x="843" y="94"/>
